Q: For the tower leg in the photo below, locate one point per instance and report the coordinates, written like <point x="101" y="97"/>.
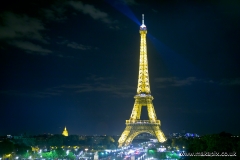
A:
<point x="151" y="112"/>
<point x="159" y="134"/>
<point x="136" y="112"/>
<point x="124" y="136"/>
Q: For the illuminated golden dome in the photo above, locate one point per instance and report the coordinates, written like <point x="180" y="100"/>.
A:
<point x="65" y="132"/>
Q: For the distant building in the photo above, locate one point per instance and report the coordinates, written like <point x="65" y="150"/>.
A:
<point x="175" y="135"/>
<point x="65" y="132"/>
<point x="183" y="135"/>
<point x="191" y="135"/>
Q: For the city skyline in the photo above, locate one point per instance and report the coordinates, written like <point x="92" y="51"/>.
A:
<point x="75" y="64"/>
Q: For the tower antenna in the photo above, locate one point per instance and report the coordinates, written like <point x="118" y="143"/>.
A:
<point x="142" y="18"/>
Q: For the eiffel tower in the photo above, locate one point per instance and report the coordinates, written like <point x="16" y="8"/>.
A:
<point x="135" y="126"/>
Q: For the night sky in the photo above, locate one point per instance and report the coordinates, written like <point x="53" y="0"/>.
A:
<point x="75" y="64"/>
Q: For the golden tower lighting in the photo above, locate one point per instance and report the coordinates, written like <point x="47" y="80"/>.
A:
<point x="65" y="132"/>
<point x="143" y="98"/>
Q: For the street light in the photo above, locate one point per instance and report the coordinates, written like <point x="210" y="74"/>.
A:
<point x="86" y="149"/>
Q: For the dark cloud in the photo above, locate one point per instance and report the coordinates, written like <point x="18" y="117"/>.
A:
<point x="19" y="30"/>
<point x="91" y="11"/>
<point x="30" y="47"/>
<point x="75" y="45"/>
<point x="130" y="2"/>
<point x="174" y="81"/>
<point x="231" y="82"/>
<point x="101" y="84"/>
<point x="93" y="84"/>
<point x="53" y="15"/>
<point x="17" y="26"/>
<point x="118" y="90"/>
<point x="38" y="94"/>
<point x="56" y="12"/>
<point x="177" y="82"/>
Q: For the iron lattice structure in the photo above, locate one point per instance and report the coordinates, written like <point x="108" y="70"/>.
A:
<point x="135" y="126"/>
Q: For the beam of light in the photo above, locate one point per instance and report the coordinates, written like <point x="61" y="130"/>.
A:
<point x="176" y="64"/>
<point x="121" y="6"/>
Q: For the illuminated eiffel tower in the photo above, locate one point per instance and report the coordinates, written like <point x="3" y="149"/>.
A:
<point x="135" y="126"/>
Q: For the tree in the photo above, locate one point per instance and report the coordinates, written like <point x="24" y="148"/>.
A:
<point x="220" y="143"/>
<point x="108" y="141"/>
<point x="72" y="140"/>
<point x="238" y="148"/>
<point x="47" y="155"/>
<point x="6" y="147"/>
<point x="112" y="146"/>
<point x="21" y="149"/>
<point x="60" y="152"/>
<point x="152" y="152"/>
<point x="26" y="155"/>
<point x="71" y="155"/>
<point x="51" y="155"/>
<point x="29" y="141"/>
<point x="55" y="140"/>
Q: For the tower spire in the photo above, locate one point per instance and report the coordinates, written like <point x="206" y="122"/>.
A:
<point x="143" y="27"/>
<point x="143" y="77"/>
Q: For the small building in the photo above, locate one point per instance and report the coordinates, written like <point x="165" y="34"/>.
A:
<point x="65" y="132"/>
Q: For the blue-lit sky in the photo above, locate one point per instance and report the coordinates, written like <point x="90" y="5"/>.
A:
<point x="75" y="64"/>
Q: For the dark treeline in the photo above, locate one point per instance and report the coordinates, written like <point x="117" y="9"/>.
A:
<point x="22" y="144"/>
<point x="218" y="143"/>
